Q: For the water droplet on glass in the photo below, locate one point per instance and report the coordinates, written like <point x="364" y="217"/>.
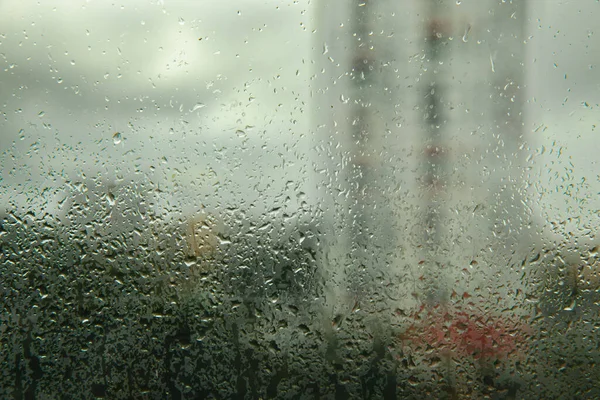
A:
<point x="465" y="37"/>
<point x="181" y="21"/>
<point x="117" y="138"/>
<point x="197" y="106"/>
<point x="111" y="199"/>
<point x="571" y="306"/>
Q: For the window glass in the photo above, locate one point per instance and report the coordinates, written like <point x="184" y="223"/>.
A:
<point x="299" y="199"/>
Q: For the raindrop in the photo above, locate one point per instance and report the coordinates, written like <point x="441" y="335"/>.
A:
<point x="465" y="37"/>
<point x="117" y="138"/>
<point x="571" y="306"/>
<point x="197" y="107"/>
<point x="111" y="199"/>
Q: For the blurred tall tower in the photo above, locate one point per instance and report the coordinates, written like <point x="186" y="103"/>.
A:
<point x="419" y="115"/>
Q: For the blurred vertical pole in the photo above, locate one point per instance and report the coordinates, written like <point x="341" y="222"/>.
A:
<point x="352" y="116"/>
<point x="433" y="134"/>
<point x="361" y="124"/>
<point x="434" y="183"/>
<point x="507" y="63"/>
<point x="341" y="98"/>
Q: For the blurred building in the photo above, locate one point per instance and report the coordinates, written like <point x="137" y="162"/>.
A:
<point x="420" y="109"/>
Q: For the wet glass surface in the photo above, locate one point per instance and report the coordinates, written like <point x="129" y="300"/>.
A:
<point x="299" y="200"/>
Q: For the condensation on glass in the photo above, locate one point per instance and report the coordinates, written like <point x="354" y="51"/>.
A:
<point x="303" y="199"/>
